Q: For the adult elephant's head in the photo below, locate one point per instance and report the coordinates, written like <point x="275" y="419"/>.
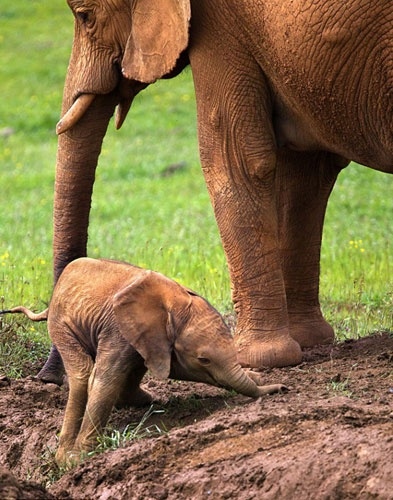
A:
<point x="120" y="47"/>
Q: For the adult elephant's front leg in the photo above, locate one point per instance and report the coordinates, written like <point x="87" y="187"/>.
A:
<point x="303" y="184"/>
<point x="238" y="160"/>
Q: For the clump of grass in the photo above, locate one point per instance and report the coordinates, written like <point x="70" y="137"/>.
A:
<point x="22" y="349"/>
<point x="341" y="386"/>
<point x="112" y="439"/>
<point x="49" y="469"/>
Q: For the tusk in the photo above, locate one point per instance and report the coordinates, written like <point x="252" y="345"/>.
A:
<point x="75" y="113"/>
<point x="127" y="93"/>
<point x="121" y="112"/>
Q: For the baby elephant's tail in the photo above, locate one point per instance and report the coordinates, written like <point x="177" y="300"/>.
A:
<point x="42" y="316"/>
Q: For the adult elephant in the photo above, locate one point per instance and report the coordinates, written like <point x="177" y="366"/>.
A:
<point x="287" y="93"/>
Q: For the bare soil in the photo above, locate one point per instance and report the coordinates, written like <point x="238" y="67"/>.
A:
<point x="330" y="437"/>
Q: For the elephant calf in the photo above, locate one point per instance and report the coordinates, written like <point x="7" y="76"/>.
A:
<point x="111" y="321"/>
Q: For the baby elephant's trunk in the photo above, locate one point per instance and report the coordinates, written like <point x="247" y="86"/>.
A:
<point x="239" y="380"/>
<point x="42" y="316"/>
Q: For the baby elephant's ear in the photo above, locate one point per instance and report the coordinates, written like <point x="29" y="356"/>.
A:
<point x="142" y="318"/>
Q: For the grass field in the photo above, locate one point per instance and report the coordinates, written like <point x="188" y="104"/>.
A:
<point x="150" y="204"/>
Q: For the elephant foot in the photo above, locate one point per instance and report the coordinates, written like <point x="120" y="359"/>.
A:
<point x="135" y="399"/>
<point x="310" y="329"/>
<point x="275" y="350"/>
<point x="53" y="371"/>
<point x="67" y="459"/>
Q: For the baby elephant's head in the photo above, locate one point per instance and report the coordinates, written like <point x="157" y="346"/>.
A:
<point x="180" y="335"/>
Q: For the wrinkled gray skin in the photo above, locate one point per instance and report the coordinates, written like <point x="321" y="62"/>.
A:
<point x="287" y="93"/>
<point x="112" y="321"/>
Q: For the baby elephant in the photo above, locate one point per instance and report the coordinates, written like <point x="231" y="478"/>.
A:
<point x="111" y="321"/>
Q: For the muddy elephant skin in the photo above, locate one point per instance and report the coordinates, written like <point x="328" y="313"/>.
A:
<point x="287" y="94"/>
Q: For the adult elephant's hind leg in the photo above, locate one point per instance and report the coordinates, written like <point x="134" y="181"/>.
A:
<point x="303" y="184"/>
<point x="53" y="370"/>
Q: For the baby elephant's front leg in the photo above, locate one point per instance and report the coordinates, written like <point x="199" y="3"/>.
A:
<point x="108" y="380"/>
<point x="132" y="395"/>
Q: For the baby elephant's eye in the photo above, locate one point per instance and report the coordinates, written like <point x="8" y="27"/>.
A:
<point x="204" y="361"/>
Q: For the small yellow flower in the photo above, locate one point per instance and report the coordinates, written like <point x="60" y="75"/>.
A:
<point x="357" y="245"/>
<point x="5" y="256"/>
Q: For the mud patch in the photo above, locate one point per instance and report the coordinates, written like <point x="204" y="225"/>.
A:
<point x="331" y="436"/>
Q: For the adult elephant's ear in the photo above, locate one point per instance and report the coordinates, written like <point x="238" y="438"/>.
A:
<point x="159" y="33"/>
<point x="144" y="313"/>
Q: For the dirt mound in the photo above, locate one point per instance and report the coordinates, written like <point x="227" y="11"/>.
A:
<point x="330" y="437"/>
<point x="11" y="488"/>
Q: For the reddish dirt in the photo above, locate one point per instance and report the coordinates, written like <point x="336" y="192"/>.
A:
<point x="330" y="437"/>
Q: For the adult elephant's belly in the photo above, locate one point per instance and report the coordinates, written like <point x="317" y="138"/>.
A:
<point x="293" y="131"/>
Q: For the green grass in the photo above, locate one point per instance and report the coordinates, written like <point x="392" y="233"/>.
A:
<point x="357" y="272"/>
<point x="139" y="214"/>
<point x="109" y="439"/>
<point x="112" y="439"/>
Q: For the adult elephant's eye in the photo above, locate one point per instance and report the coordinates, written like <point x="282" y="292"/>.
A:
<point x="84" y="16"/>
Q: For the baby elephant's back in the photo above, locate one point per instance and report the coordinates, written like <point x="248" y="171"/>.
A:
<point x="89" y="282"/>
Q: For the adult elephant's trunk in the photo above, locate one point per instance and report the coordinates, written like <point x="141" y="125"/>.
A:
<point x="242" y="383"/>
<point x="79" y="147"/>
<point x="77" y="157"/>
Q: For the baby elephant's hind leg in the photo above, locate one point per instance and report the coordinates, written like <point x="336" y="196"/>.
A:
<point x="78" y="370"/>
